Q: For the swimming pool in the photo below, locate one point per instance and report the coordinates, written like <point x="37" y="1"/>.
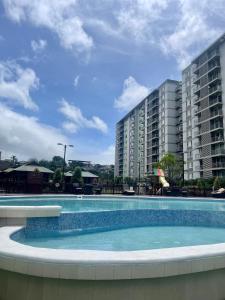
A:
<point x="131" y="239"/>
<point x="74" y="204"/>
<point x="115" y="245"/>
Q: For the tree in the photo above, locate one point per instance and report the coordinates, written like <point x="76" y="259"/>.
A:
<point x="57" y="177"/>
<point x="57" y="162"/>
<point x="172" y="166"/>
<point x="217" y="183"/>
<point x="33" y="161"/>
<point x="118" y="179"/>
<point x="129" y="180"/>
<point x="77" y="176"/>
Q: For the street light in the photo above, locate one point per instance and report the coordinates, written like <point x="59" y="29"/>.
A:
<point x="139" y="176"/>
<point x="64" y="160"/>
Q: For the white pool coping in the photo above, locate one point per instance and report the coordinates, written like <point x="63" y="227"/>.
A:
<point x="106" y="265"/>
<point x="29" y="211"/>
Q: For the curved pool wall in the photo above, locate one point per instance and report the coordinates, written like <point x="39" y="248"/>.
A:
<point x="69" y="223"/>
<point x="195" y="272"/>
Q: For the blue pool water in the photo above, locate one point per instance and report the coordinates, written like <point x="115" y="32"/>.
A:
<point x="72" y="204"/>
<point x="138" y="238"/>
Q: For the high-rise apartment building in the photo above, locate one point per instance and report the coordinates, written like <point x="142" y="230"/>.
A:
<point x="203" y="105"/>
<point x="148" y="131"/>
<point x="185" y="119"/>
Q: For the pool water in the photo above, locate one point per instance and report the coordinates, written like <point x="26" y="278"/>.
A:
<point x="130" y="239"/>
<point x="72" y="204"/>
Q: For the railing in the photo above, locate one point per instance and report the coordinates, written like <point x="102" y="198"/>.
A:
<point x="213" y="54"/>
<point x="213" y="77"/>
<point x="216" y="126"/>
<point x="218" y="165"/>
<point x="217" y="151"/>
<point x="215" y="101"/>
<point x="216" y="114"/>
<point x="214" y="65"/>
<point x="217" y="139"/>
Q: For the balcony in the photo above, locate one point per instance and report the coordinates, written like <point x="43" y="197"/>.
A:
<point x="155" y="144"/>
<point x="155" y="153"/>
<point x="215" y="76"/>
<point x="216" y="113"/>
<point x="213" y="65"/>
<point x="219" y="151"/>
<point x="154" y="128"/>
<point x="213" y="54"/>
<point x="218" y="165"/>
<point x="216" y="127"/>
<point x="155" y="136"/>
<point x="154" y="120"/>
<point x="215" y="89"/>
<point x="215" y="101"/>
<point x="218" y="139"/>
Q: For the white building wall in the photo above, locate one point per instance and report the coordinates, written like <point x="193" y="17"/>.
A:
<point x="167" y="118"/>
<point x="222" y="63"/>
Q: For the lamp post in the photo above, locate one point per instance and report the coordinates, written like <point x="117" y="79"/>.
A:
<point x="139" y="176"/>
<point x="64" y="162"/>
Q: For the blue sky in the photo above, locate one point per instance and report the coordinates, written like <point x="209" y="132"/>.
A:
<point x="70" y="69"/>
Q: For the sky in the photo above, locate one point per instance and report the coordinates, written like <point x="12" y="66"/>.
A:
<point x="71" y="69"/>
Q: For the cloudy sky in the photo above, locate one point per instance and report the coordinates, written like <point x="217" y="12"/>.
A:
<point x="70" y="69"/>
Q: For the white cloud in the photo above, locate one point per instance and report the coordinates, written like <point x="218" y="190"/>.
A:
<point x="132" y="94"/>
<point x="58" y="16"/>
<point x="192" y="32"/>
<point x="70" y="127"/>
<point x="38" y="46"/>
<point x="16" y="84"/>
<point x="26" y="137"/>
<point x="137" y="16"/>
<point x="76" y="80"/>
<point x="105" y="156"/>
<point x="75" y="116"/>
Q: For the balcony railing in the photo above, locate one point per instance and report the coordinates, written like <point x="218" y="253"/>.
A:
<point x="214" y="77"/>
<point x="215" y="101"/>
<point x="213" y="65"/>
<point x="216" y="114"/>
<point x="216" y="126"/>
<point x="218" y="165"/>
<point x="219" y="151"/>
<point x="217" y="139"/>
<point x="213" y="54"/>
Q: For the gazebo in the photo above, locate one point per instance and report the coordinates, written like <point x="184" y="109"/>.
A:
<point x="26" y="178"/>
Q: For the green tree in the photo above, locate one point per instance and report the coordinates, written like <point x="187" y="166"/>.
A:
<point x="128" y="180"/>
<point x="217" y="183"/>
<point x="172" y="166"/>
<point x="57" y="177"/>
<point x="56" y="162"/>
<point x="77" y="176"/>
<point x="118" y="179"/>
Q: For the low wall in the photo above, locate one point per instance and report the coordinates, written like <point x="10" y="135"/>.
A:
<point x="198" y="286"/>
<point x="122" y="219"/>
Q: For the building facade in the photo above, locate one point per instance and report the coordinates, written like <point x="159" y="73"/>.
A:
<point x="147" y="132"/>
<point x="186" y="119"/>
<point x="203" y="106"/>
